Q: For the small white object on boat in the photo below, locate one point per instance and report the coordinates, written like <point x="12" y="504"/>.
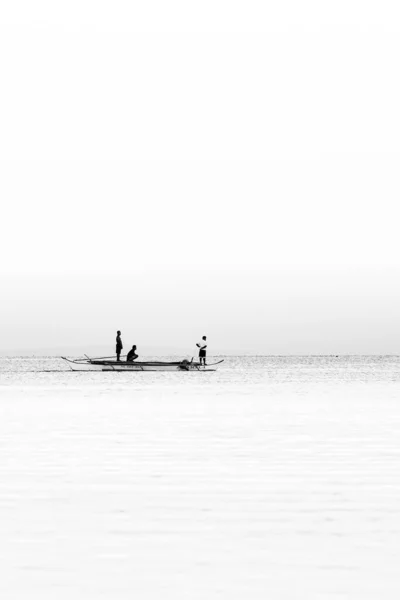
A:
<point x="95" y="364"/>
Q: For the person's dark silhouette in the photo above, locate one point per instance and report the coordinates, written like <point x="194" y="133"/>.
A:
<point x="119" y="345"/>
<point x="132" y="355"/>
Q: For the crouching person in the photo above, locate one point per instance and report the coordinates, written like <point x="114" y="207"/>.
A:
<point x="131" y="356"/>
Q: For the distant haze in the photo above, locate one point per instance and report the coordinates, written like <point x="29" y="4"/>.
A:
<point x="242" y="311"/>
<point x="176" y="170"/>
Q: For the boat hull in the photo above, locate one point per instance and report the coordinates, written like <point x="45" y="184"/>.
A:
<point x="97" y="365"/>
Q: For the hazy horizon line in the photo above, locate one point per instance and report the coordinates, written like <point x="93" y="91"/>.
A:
<point x="217" y="354"/>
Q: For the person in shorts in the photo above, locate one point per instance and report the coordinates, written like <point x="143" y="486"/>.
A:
<point x="202" y="345"/>
<point x="119" y="346"/>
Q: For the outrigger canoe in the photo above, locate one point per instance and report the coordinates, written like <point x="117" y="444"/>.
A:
<point x="97" y="364"/>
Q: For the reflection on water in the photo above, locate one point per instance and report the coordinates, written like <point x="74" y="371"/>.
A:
<point x="274" y="477"/>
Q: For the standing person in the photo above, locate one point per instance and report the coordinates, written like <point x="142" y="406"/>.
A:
<point x="202" y="352"/>
<point x="132" y="355"/>
<point x="119" y="345"/>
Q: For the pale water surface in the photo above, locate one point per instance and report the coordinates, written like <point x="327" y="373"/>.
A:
<point x="273" y="478"/>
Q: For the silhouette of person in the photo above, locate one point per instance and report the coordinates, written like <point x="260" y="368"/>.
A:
<point x="132" y="355"/>
<point x="119" y="345"/>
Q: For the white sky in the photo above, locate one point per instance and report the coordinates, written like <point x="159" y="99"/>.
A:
<point x="173" y="169"/>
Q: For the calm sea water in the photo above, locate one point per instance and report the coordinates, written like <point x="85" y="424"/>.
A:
<point x="274" y="478"/>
